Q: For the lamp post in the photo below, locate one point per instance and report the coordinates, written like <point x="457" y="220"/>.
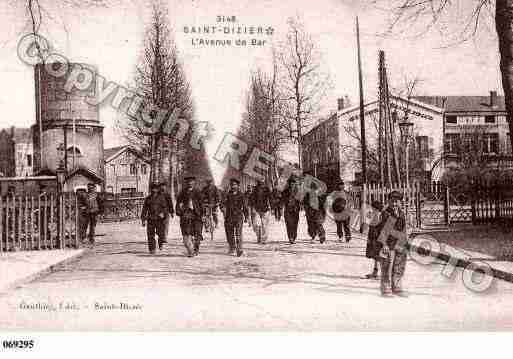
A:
<point x="61" y="178"/>
<point x="406" y="128"/>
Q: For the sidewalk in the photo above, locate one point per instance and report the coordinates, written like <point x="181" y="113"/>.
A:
<point x="24" y="266"/>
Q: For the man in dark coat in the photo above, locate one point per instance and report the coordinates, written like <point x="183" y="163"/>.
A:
<point x="155" y="210"/>
<point x="260" y="206"/>
<point x="291" y="208"/>
<point x="190" y="208"/>
<point x="211" y="198"/>
<point x="235" y="213"/>
<point x="315" y="215"/>
<point x="90" y="206"/>
<point x="392" y="256"/>
<point x="342" y="222"/>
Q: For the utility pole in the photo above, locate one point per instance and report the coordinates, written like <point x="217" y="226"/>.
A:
<point x="362" y="112"/>
<point x="380" y="123"/>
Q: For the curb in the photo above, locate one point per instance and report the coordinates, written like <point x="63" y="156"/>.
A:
<point x="42" y="272"/>
<point x="462" y="263"/>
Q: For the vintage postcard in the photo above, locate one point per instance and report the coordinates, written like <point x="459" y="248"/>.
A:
<point x="255" y="165"/>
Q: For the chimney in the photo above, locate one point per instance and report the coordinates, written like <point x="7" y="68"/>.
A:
<point x="340" y="104"/>
<point x="493" y="98"/>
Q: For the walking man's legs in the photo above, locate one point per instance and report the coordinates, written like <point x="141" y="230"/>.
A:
<point x="229" y="230"/>
<point x="160" y="228"/>
<point x="339" y="230"/>
<point x="347" y="230"/>
<point x="92" y="227"/>
<point x="398" y="269"/>
<point x="385" y="284"/>
<point x="238" y="238"/>
<point x="264" y="220"/>
<point x="150" y="233"/>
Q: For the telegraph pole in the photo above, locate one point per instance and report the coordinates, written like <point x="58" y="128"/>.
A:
<point x="362" y="112"/>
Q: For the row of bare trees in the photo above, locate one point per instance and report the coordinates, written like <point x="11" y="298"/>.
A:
<point x="286" y="100"/>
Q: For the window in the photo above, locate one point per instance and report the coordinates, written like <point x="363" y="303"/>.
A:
<point x="124" y="170"/>
<point x="491" y="143"/>
<point x="451" y="143"/>
<point x="423" y="146"/>
<point x="451" y="119"/>
<point x="29" y="160"/>
<point x="143" y="169"/>
<point x="490" y="119"/>
<point x="508" y="144"/>
<point x="110" y="189"/>
<point x="133" y="169"/>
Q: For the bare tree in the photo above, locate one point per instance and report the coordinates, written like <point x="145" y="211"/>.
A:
<point x="303" y="84"/>
<point x="161" y="83"/>
<point x="262" y="124"/>
<point x="433" y="14"/>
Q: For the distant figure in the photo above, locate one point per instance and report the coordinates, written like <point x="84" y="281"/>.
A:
<point x="339" y="205"/>
<point x="291" y="208"/>
<point x="315" y="215"/>
<point x="211" y="199"/>
<point x="235" y="213"/>
<point x="189" y="206"/>
<point x="89" y="205"/>
<point x="171" y="213"/>
<point x="156" y="209"/>
<point x="276" y="204"/>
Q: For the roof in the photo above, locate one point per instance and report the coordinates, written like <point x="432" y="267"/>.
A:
<point x="110" y="153"/>
<point x="464" y="103"/>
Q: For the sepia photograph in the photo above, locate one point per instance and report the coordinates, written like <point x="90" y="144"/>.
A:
<point x="195" y="166"/>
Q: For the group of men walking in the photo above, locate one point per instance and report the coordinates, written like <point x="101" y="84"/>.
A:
<point x="256" y="207"/>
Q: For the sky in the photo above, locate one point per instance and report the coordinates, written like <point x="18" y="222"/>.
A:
<point x="112" y="37"/>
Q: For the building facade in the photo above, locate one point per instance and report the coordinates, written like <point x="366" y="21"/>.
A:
<point x="127" y="171"/>
<point x="474" y="124"/>
<point x="67" y="129"/>
<point x="16" y="152"/>
<point x="331" y="150"/>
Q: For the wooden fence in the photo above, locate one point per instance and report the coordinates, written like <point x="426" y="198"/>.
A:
<point x="47" y="221"/>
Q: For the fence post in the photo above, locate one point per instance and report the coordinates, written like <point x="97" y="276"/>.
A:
<point x="447" y="206"/>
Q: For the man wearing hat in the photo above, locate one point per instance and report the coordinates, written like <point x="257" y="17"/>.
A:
<point x="235" y="213"/>
<point x="391" y="256"/>
<point x="291" y="207"/>
<point x="260" y="205"/>
<point x="190" y="208"/>
<point x="155" y="210"/>
<point x="339" y="205"/>
<point x="89" y="205"/>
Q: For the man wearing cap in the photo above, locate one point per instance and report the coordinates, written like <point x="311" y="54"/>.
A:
<point x="392" y="256"/>
<point x="235" y="213"/>
<point x="291" y="208"/>
<point x="89" y="205"/>
<point x="155" y="210"/>
<point x="339" y="205"/>
<point x="171" y="214"/>
<point x="190" y="208"/>
<point x="211" y="198"/>
<point x="260" y="205"/>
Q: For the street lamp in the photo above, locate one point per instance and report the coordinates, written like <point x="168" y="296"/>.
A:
<point x="406" y="128"/>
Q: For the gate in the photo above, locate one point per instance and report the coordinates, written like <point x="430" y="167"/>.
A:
<point x="47" y="221"/>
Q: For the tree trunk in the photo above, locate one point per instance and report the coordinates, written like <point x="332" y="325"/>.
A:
<point x="504" y="27"/>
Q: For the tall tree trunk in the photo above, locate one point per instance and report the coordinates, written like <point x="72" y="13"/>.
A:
<point x="504" y="27"/>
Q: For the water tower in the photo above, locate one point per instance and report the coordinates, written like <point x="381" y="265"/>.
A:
<point x="67" y="129"/>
